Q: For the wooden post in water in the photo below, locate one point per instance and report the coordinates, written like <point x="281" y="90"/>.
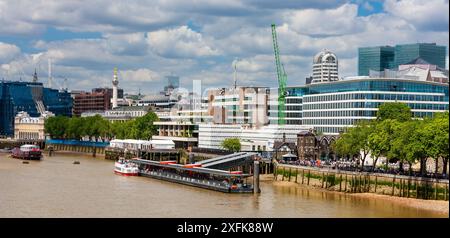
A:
<point x="303" y="175"/>
<point x="446" y="193"/>
<point x="284" y="172"/>
<point x="309" y="175"/>
<point x="289" y="179"/>
<point x="376" y="177"/>
<point x="417" y="189"/>
<point x="323" y="178"/>
<point x="409" y="187"/>
<point x="393" y="186"/>
<point x="400" y="192"/>
<point x="340" y="183"/>
<point x="426" y="189"/>
<point x="296" y="175"/>
<point x="435" y="190"/>
<point x="345" y="189"/>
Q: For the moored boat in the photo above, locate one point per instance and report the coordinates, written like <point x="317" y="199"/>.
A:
<point x="27" y="152"/>
<point x="126" y="168"/>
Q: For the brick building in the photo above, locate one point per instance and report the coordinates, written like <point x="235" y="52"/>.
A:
<point x="95" y="101"/>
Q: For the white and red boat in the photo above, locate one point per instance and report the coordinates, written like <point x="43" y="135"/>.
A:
<point x="27" y="152"/>
<point x="126" y="168"/>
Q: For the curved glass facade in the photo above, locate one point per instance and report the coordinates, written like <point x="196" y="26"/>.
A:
<point x="329" y="107"/>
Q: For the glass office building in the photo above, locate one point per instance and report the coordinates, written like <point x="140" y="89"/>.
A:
<point x="430" y="52"/>
<point x="330" y="107"/>
<point x="375" y="58"/>
<point x="379" y="58"/>
<point x="32" y="98"/>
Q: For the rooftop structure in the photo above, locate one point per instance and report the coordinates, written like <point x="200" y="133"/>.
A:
<point x="325" y="67"/>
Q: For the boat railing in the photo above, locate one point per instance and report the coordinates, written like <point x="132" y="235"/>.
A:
<point x="191" y="180"/>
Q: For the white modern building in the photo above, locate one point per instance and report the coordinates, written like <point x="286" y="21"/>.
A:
<point x="330" y="107"/>
<point x="211" y="136"/>
<point x="325" y="67"/>
<point x="243" y="105"/>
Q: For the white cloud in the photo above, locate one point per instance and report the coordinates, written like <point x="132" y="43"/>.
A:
<point x="337" y="21"/>
<point x="424" y="14"/>
<point x="180" y="42"/>
<point x="8" y="52"/>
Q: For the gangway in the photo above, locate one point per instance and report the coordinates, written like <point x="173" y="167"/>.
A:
<point x="203" y="162"/>
<point x="233" y="160"/>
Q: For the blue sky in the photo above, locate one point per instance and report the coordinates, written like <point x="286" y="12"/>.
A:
<point x="199" y="40"/>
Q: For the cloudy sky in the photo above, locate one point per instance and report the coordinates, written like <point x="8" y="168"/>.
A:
<point x="200" y="39"/>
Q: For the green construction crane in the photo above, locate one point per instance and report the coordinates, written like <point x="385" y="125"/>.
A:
<point x="282" y="78"/>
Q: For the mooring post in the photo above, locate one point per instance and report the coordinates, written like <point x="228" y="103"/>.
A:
<point x="309" y="175"/>
<point x="417" y="189"/>
<point x="393" y="186"/>
<point x="303" y="175"/>
<point x="376" y="178"/>
<point x="323" y="178"/>
<point x="290" y="169"/>
<point x="345" y="188"/>
<point x="409" y="186"/>
<point x="296" y="175"/>
<point x="436" y="190"/>
<point x="256" y="177"/>
<point x="340" y="183"/>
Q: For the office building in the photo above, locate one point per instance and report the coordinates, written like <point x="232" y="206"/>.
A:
<point x="332" y="106"/>
<point x="325" y="67"/>
<point x="95" y="101"/>
<point x="430" y="52"/>
<point x="32" y="98"/>
<point x="375" y="58"/>
<point x="379" y="58"/>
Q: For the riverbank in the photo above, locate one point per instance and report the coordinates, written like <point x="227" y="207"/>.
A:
<point x="437" y="206"/>
<point x="441" y="207"/>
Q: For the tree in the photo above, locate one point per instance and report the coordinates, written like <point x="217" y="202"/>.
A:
<point x="144" y="127"/>
<point x="355" y="141"/>
<point x="434" y="136"/>
<point x="56" y="126"/>
<point x="394" y="110"/>
<point x="75" y="128"/>
<point x="344" y="146"/>
<point x="232" y="144"/>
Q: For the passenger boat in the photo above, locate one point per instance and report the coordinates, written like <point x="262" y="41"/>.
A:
<point x="125" y="168"/>
<point x="28" y="152"/>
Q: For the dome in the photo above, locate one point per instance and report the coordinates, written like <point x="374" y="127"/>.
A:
<point x="325" y="56"/>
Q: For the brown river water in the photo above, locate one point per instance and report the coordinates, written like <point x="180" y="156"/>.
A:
<point x="55" y="187"/>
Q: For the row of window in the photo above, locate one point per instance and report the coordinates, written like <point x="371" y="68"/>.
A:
<point x="329" y="121"/>
<point x="358" y="113"/>
<point x="375" y="96"/>
<point x="340" y="105"/>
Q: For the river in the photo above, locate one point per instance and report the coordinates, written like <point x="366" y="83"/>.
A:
<point x="55" y="187"/>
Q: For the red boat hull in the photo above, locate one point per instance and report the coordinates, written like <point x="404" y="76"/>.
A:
<point x="31" y="155"/>
<point x="125" y="174"/>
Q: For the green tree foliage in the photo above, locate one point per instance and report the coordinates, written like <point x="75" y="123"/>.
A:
<point x="232" y="144"/>
<point x="355" y="140"/>
<point x="397" y="137"/>
<point x="56" y="126"/>
<point x="96" y="127"/>
<point x="394" y="110"/>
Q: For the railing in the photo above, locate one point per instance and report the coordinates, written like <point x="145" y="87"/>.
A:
<point x="77" y="143"/>
<point x="187" y="179"/>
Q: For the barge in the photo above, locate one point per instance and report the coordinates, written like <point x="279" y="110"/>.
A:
<point x="195" y="175"/>
<point x="27" y="152"/>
